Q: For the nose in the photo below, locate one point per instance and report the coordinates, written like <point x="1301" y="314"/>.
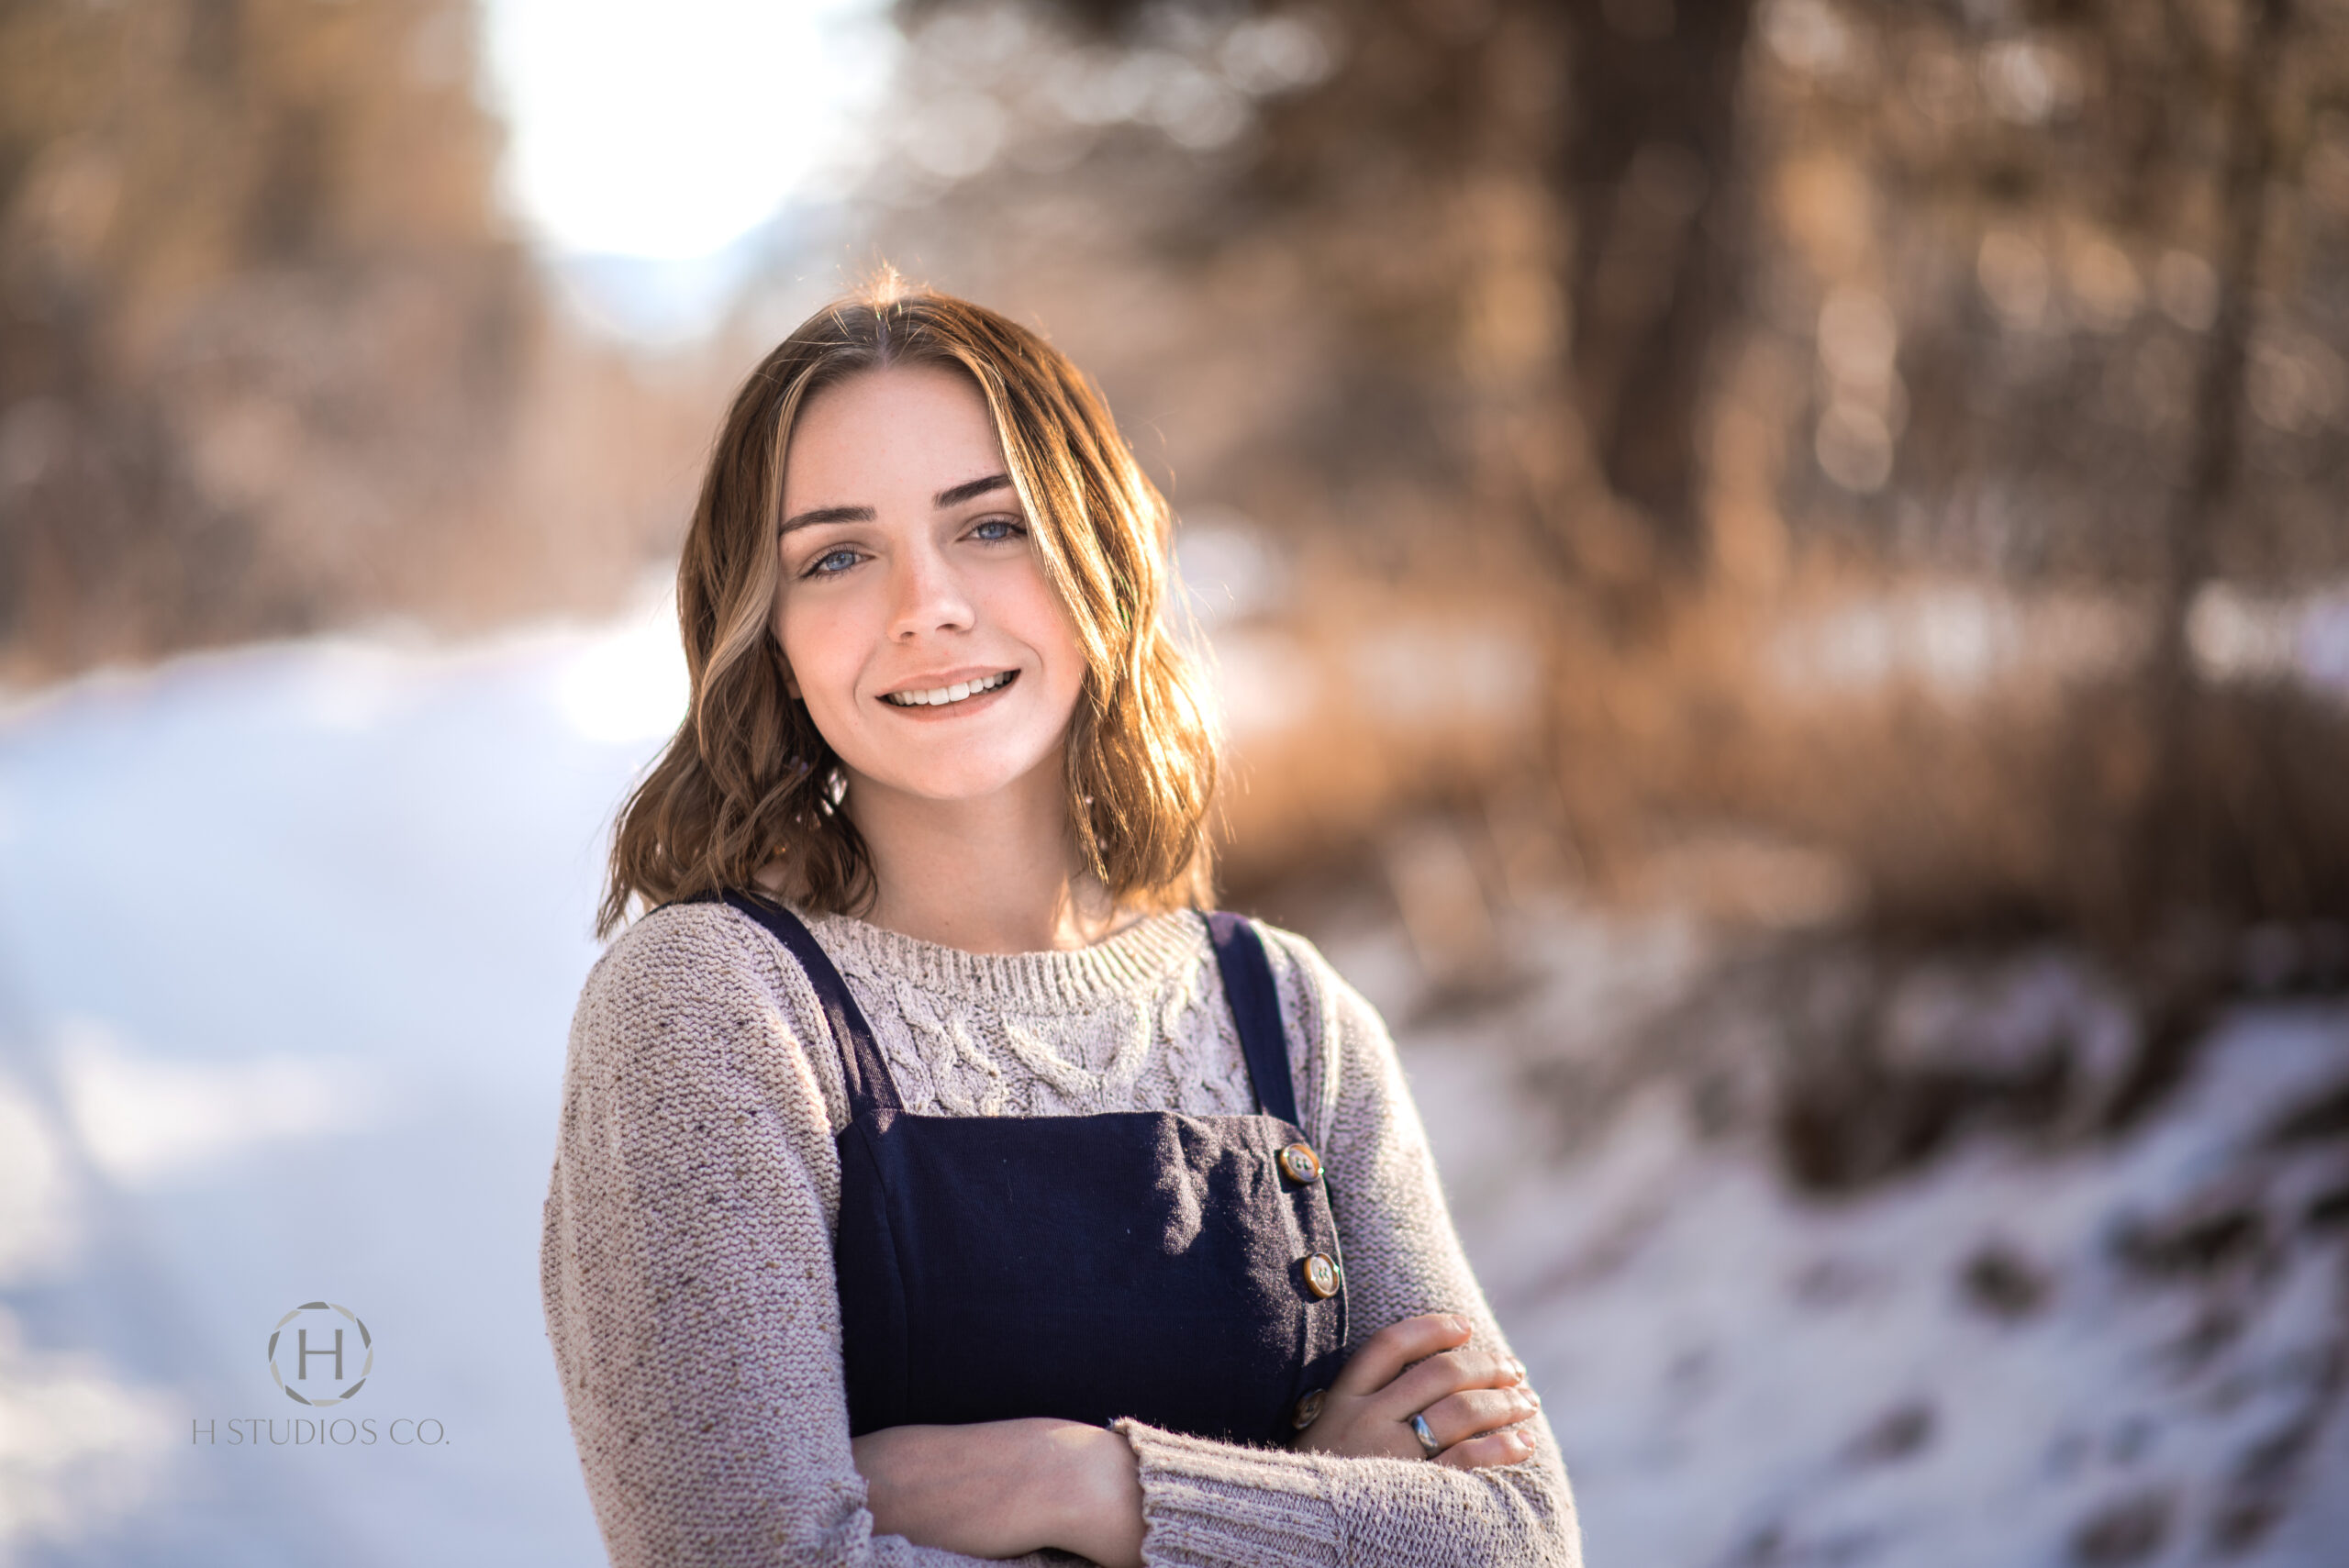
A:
<point x="926" y="595"/>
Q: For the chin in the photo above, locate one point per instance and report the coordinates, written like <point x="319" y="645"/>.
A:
<point x="963" y="778"/>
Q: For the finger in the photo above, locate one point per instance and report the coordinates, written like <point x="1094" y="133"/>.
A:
<point x="1477" y="1411"/>
<point x="1511" y="1447"/>
<point x="1396" y="1346"/>
<point x="1447" y="1373"/>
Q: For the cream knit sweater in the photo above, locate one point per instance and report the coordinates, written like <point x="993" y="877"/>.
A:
<point x="686" y="1261"/>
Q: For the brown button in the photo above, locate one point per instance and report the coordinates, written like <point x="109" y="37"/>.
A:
<point x="1321" y="1275"/>
<point x="1308" y="1409"/>
<point x="1300" y="1165"/>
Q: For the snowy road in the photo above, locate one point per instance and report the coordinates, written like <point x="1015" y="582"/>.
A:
<point x="289" y="938"/>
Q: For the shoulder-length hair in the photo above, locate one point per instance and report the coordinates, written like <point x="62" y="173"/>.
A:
<point x="749" y="779"/>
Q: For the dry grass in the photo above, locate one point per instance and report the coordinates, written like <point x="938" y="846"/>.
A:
<point x="1699" y="763"/>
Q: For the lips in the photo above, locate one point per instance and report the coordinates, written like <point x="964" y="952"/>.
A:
<point x="953" y="692"/>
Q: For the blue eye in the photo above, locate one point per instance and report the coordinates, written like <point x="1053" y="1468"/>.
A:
<point x="994" y="530"/>
<point x="832" y="564"/>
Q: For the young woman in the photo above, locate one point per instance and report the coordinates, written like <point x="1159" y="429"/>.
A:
<point x="935" y="1181"/>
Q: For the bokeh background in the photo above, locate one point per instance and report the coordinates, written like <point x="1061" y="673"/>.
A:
<point x="1779" y="574"/>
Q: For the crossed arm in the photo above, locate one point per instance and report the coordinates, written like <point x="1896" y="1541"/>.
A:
<point x="1003" y="1488"/>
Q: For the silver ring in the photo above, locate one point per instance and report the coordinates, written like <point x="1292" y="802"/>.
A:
<point x="1427" y="1438"/>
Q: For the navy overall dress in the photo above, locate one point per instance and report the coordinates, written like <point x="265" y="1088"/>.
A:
<point x="1181" y="1270"/>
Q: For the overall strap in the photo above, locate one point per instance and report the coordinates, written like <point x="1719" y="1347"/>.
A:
<point x="1256" y="1008"/>
<point x="866" y="1076"/>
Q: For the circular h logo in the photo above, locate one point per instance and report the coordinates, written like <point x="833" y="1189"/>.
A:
<point x="315" y="1353"/>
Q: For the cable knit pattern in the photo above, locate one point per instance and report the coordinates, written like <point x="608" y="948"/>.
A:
<point x="686" y="1255"/>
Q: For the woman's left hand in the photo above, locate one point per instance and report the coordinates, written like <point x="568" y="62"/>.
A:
<point x="1003" y="1488"/>
<point x="1473" y="1401"/>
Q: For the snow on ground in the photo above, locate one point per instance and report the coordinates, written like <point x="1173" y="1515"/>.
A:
<point x="2048" y="1351"/>
<point x="289" y="939"/>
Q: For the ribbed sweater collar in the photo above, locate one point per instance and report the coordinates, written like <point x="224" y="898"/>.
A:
<point x="1132" y="963"/>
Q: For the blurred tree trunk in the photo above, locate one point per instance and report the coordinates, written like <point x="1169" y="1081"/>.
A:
<point x="2250" y="159"/>
<point x="2242" y="79"/>
<point x="1660" y="231"/>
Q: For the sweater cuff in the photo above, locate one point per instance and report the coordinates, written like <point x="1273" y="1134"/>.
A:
<point x="1211" y="1505"/>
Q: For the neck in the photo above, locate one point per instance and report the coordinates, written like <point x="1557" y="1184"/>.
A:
<point x="997" y="874"/>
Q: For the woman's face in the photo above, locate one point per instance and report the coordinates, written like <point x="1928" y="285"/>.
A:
<point x="912" y="608"/>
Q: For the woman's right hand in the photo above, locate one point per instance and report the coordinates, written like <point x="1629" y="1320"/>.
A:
<point x="1006" y="1489"/>
<point x="1473" y="1399"/>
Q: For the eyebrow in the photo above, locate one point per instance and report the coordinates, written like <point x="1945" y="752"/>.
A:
<point x="970" y="490"/>
<point x="953" y="495"/>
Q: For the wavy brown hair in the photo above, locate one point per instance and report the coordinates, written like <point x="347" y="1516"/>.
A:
<point x="749" y="779"/>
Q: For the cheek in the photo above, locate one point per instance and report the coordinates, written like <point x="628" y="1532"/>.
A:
<point x="813" y="642"/>
<point x="1045" y="625"/>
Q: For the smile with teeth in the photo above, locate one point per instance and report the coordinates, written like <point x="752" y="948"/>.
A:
<point x="959" y="691"/>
